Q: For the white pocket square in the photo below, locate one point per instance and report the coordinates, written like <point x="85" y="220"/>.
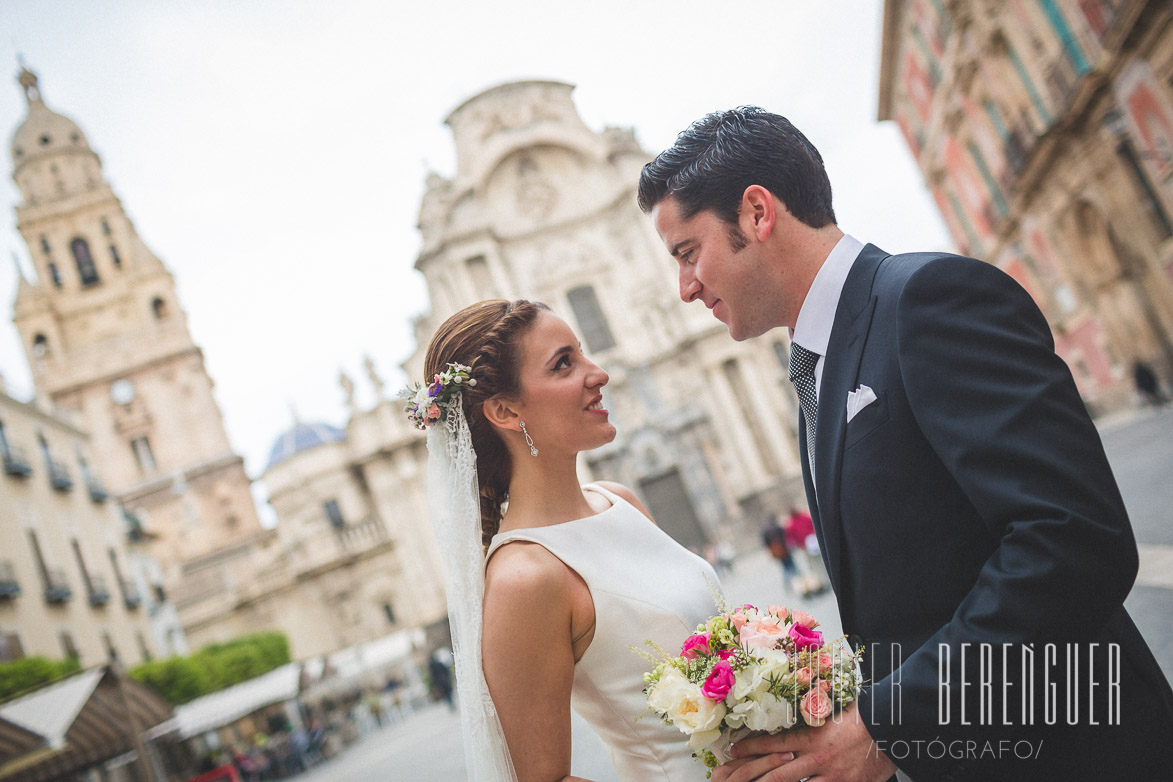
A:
<point x="859" y="399"/>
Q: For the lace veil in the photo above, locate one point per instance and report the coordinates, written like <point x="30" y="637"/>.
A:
<point x="454" y="504"/>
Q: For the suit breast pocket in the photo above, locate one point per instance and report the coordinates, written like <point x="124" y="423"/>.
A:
<point x="867" y="421"/>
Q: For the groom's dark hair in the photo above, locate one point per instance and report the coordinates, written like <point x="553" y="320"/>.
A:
<point x="717" y="157"/>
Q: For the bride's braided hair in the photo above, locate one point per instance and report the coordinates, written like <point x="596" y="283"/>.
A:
<point x="486" y="337"/>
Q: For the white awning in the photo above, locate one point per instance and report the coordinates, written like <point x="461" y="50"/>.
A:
<point x="51" y="710"/>
<point x="239" y="700"/>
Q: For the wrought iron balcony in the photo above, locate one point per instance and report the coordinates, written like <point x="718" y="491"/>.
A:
<point x="9" y="586"/>
<point x="58" y="476"/>
<point x="99" y="594"/>
<point x="98" y="492"/>
<point x="56" y="587"/>
<point x="15" y="462"/>
<point x="130" y="595"/>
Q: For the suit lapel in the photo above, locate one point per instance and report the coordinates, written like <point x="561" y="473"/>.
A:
<point x="853" y="318"/>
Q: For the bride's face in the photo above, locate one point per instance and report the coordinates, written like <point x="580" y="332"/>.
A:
<point x="561" y="390"/>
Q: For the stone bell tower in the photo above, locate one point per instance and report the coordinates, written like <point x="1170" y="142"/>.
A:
<point x="107" y="341"/>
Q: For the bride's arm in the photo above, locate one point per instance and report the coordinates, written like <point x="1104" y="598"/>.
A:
<point x="528" y="651"/>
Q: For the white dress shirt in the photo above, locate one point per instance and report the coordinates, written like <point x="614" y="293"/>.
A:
<point x="817" y="316"/>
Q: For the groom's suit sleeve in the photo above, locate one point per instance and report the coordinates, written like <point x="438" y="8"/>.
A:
<point x="1001" y="412"/>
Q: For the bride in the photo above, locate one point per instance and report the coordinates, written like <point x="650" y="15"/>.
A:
<point x="569" y="578"/>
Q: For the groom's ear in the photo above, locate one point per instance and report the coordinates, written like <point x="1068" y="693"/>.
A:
<point x="502" y="412"/>
<point x="759" y="212"/>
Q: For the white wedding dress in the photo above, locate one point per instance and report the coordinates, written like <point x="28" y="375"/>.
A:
<point x="645" y="586"/>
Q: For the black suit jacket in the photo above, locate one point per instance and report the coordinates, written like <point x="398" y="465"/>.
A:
<point x="972" y="504"/>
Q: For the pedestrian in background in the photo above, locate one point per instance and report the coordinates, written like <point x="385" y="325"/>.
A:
<point x="1147" y="384"/>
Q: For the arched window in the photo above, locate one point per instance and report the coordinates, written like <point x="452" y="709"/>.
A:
<point x="54" y="274"/>
<point x="159" y="307"/>
<point x="591" y="320"/>
<point x="40" y="346"/>
<point x="85" y="261"/>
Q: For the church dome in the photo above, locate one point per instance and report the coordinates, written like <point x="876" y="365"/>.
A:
<point x="43" y="131"/>
<point x="302" y="437"/>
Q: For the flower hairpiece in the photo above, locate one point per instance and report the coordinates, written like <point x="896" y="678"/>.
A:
<point x="427" y="404"/>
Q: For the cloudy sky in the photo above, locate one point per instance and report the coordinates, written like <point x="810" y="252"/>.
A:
<point x="273" y="152"/>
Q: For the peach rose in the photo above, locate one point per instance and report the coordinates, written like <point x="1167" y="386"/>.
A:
<point x="779" y="611"/>
<point x="762" y="634"/>
<point x="803" y="677"/>
<point x="815" y="707"/>
<point x="804" y="619"/>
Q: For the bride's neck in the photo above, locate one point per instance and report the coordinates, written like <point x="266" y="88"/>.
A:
<point x="541" y="494"/>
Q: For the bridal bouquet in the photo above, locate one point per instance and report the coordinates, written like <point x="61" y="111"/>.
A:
<point x="748" y="670"/>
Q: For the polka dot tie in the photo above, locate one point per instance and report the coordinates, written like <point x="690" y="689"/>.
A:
<point x="802" y="375"/>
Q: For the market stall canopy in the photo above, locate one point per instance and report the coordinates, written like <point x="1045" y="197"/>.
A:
<point x="16" y="741"/>
<point x="227" y="706"/>
<point x="81" y="721"/>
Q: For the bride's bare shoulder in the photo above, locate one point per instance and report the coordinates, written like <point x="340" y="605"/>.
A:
<point x="523" y="571"/>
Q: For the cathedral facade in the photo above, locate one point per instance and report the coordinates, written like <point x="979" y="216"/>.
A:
<point x="542" y="207"/>
<point x="1044" y="130"/>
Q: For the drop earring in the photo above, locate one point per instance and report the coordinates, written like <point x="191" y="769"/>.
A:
<point x="529" y="441"/>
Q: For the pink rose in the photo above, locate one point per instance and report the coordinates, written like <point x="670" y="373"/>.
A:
<point x="823" y="663"/>
<point x="779" y="611"/>
<point x="804" y="619"/>
<point x="694" y="645"/>
<point x="803" y="677"/>
<point x="815" y="707"/>
<point x="434" y="412"/>
<point x="719" y="683"/>
<point x="804" y="637"/>
<point x="725" y="654"/>
<point x="738" y="620"/>
<point x="762" y="634"/>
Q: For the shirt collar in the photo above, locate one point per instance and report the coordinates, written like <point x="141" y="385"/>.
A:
<point x="817" y="316"/>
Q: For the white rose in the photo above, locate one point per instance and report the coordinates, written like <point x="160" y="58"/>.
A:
<point x="685" y="704"/>
<point x="669" y="689"/>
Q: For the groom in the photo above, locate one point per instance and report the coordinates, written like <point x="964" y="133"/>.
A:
<point x="974" y="534"/>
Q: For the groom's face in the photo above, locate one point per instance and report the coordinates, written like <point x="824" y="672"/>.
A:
<point x="719" y="266"/>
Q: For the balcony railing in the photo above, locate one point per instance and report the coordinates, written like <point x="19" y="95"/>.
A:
<point x="98" y="492"/>
<point x="131" y="597"/>
<point x="56" y="587"/>
<point x="9" y="586"/>
<point x="362" y="535"/>
<point x="99" y="594"/>
<point x="59" y="477"/>
<point x="15" y="462"/>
